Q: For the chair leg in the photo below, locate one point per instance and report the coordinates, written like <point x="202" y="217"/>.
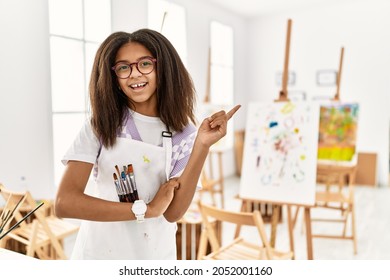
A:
<point x="202" y="244"/>
<point x="31" y="248"/>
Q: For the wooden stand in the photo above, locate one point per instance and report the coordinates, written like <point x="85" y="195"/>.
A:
<point x="337" y="175"/>
<point x="283" y="97"/>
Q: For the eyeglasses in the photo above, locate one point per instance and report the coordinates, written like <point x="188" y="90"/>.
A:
<point x="144" y="65"/>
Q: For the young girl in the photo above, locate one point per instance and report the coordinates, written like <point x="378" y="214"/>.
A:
<point x="142" y="100"/>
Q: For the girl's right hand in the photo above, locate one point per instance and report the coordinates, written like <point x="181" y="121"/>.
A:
<point x="162" y="199"/>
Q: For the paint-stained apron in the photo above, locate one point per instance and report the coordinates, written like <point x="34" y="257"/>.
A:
<point x="152" y="239"/>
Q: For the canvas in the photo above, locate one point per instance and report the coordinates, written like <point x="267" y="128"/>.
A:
<point x="280" y="152"/>
<point x="337" y="131"/>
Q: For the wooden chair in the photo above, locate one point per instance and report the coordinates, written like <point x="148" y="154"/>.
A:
<point x="42" y="236"/>
<point x="336" y="192"/>
<point x="12" y="205"/>
<point x="239" y="248"/>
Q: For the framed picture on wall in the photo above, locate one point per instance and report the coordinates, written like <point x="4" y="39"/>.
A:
<point x="326" y="77"/>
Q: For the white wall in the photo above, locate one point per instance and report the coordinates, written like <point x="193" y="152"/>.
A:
<point x="318" y="33"/>
<point x="25" y="102"/>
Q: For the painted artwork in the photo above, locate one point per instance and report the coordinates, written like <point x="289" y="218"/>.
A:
<point x="337" y="131"/>
<point x="280" y="152"/>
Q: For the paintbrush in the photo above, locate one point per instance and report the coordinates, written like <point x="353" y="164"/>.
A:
<point x="119" y="190"/>
<point x="8" y="215"/>
<point x="127" y="177"/>
<point x="130" y="172"/>
<point x="18" y="223"/>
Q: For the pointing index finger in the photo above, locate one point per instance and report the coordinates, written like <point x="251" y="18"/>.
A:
<point x="233" y="111"/>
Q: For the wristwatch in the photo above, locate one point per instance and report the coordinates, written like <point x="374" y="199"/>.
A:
<point x="139" y="208"/>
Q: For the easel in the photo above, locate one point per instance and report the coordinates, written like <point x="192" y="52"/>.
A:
<point x="209" y="180"/>
<point x="328" y="171"/>
<point x="189" y="240"/>
<point x="247" y="204"/>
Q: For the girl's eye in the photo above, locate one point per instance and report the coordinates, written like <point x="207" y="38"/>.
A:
<point x="145" y="63"/>
<point x="122" y="67"/>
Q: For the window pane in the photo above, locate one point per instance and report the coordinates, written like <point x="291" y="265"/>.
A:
<point x="66" y="18"/>
<point x="65" y="129"/>
<point x="90" y="52"/>
<point x="221" y="44"/>
<point x="67" y="70"/>
<point x="97" y="19"/>
<point x="221" y="85"/>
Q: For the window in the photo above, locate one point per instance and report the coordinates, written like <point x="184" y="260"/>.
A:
<point x="221" y="43"/>
<point x="222" y="72"/>
<point x="77" y="27"/>
<point x="169" y="19"/>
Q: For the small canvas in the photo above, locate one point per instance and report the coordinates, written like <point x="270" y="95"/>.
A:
<point x="280" y="153"/>
<point x="338" y="131"/>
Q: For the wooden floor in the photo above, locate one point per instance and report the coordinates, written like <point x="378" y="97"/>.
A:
<point x="372" y="219"/>
<point x="372" y="227"/>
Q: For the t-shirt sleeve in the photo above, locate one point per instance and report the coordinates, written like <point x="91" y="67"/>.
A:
<point x="182" y="144"/>
<point x="85" y="147"/>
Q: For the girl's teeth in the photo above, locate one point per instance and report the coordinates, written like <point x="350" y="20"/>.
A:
<point x="138" y="85"/>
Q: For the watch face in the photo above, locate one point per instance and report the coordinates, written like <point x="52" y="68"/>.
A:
<point x="139" y="207"/>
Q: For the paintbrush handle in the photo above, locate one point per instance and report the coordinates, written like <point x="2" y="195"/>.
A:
<point x="25" y="217"/>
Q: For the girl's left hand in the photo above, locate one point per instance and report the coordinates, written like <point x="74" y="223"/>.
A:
<point x="214" y="128"/>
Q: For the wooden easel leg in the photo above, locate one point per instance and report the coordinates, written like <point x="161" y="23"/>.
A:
<point x="31" y="248"/>
<point x="290" y="230"/>
<point x="309" y="240"/>
<point x="354" y="230"/>
<point x="294" y="221"/>
<point x="274" y="224"/>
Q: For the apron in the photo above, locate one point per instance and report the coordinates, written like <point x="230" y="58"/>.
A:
<point x="155" y="238"/>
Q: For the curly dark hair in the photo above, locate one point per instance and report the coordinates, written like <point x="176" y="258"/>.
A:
<point x="175" y="88"/>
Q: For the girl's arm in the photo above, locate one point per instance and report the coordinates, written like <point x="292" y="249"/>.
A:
<point x="72" y="202"/>
<point x="210" y="131"/>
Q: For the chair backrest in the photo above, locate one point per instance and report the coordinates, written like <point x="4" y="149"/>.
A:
<point x="238" y="218"/>
<point x="13" y="203"/>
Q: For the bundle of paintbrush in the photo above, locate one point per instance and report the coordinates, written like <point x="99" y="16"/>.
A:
<point x="20" y="221"/>
<point x="125" y="184"/>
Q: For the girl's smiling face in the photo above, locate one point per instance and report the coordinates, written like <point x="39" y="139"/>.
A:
<point x="139" y="88"/>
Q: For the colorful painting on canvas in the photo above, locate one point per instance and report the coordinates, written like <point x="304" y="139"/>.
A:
<point x="280" y="152"/>
<point x="337" y="131"/>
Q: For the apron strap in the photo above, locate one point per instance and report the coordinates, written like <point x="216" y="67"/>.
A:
<point x="167" y="144"/>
